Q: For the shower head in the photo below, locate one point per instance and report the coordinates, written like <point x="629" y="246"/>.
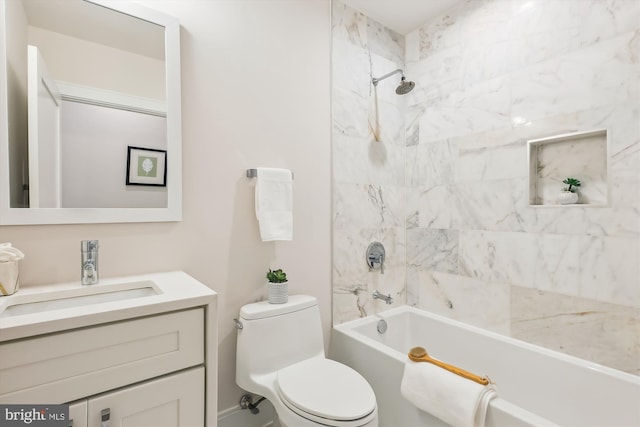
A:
<point x="405" y="86"/>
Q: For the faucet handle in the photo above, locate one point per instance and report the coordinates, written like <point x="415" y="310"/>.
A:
<point x="89" y="245"/>
<point x="89" y="262"/>
<point x="376" y="256"/>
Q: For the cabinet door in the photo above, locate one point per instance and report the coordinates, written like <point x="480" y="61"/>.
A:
<point x="172" y="401"/>
<point x="78" y="414"/>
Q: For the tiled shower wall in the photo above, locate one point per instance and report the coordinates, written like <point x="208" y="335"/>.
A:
<point x="369" y="192"/>
<point x="491" y="75"/>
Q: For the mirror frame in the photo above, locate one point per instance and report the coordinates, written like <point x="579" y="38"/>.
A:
<point x="173" y="211"/>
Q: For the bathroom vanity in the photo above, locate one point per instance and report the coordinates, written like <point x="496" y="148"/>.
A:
<point x="141" y="349"/>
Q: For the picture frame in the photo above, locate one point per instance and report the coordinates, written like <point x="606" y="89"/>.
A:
<point x="146" y="166"/>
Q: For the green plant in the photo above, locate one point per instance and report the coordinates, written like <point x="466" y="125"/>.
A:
<point x="571" y="182"/>
<point x="276" y="276"/>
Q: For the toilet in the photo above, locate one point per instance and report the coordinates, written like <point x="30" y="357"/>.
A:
<point x="280" y="355"/>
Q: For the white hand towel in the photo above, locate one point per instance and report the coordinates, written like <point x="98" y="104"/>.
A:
<point x="274" y="204"/>
<point x="455" y="400"/>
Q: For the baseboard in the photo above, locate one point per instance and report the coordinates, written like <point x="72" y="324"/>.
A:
<point x="237" y="417"/>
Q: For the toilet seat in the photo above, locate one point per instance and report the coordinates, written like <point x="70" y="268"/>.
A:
<point x="327" y="392"/>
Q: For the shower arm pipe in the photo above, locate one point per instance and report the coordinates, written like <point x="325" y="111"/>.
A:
<point x="379" y="79"/>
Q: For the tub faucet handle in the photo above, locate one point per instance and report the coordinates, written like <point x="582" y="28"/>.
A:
<point x="375" y="256"/>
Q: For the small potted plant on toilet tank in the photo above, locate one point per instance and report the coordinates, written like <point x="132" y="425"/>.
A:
<point x="277" y="288"/>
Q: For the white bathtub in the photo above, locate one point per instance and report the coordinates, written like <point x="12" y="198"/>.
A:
<point x="536" y="386"/>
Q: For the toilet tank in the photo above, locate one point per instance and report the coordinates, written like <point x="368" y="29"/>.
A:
<point x="274" y="336"/>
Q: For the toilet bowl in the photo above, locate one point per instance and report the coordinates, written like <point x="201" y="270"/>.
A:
<point x="280" y="355"/>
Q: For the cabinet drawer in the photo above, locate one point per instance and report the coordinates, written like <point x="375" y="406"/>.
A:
<point x="70" y="365"/>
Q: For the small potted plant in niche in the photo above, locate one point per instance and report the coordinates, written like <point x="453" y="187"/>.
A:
<point x="568" y="195"/>
<point x="277" y="288"/>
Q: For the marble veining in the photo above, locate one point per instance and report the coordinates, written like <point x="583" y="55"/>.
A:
<point x="604" y="19"/>
<point x="446" y="186"/>
<point x="440" y="33"/>
<point x="431" y="249"/>
<point x="385" y="42"/>
<point x="348" y="25"/>
<point x="596" y="331"/>
<point x="486" y="305"/>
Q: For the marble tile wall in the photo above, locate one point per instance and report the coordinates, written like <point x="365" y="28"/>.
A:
<point x="492" y="75"/>
<point x="446" y="191"/>
<point x="369" y="193"/>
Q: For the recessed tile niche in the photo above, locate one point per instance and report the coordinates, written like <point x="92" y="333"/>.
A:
<point x="580" y="155"/>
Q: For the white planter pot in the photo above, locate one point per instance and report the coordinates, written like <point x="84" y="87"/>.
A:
<point x="278" y="293"/>
<point x="567" y="198"/>
<point x="9" y="277"/>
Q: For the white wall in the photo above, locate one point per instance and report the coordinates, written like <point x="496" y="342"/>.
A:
<point x="255" y="92"/>
<point x="82" y="62"/>
<point x="94" y="156"/>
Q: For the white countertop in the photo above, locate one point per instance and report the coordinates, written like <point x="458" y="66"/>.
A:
<point x="176" y="291"/>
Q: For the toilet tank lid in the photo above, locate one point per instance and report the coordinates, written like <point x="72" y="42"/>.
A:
<point x="262" y="309"/>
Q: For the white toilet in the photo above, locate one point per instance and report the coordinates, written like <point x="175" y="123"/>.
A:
<point x="280" y="356"/>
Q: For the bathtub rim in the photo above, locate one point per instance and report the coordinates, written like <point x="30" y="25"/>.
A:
<point x="348" y="328"/>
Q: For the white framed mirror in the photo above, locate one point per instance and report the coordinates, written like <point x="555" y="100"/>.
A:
<point x="81" y="84"/>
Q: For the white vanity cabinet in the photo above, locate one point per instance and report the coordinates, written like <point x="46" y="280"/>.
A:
<point x="155" y="364"/>
<point x="152" y="363"/>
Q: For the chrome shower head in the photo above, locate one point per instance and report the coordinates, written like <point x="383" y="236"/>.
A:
<point x="405" y="86"/>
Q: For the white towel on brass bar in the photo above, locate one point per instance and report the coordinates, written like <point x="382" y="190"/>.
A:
<point x="274" y="204"/>
<point x="453" y="399"/>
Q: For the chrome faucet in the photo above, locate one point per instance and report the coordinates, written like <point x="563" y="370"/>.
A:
<point x="385" y="298"/>
<point x="89" y="263"/>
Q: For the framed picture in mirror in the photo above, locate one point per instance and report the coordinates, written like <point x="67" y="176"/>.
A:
<point x="146" y="166"/>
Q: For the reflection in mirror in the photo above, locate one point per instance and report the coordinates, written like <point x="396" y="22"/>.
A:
<point x="85" y="82"/>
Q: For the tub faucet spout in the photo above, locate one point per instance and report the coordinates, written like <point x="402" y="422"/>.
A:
<point x="385" y="298"/>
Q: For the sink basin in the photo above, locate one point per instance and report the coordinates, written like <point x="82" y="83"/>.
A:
<point x="81" y="296"/>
